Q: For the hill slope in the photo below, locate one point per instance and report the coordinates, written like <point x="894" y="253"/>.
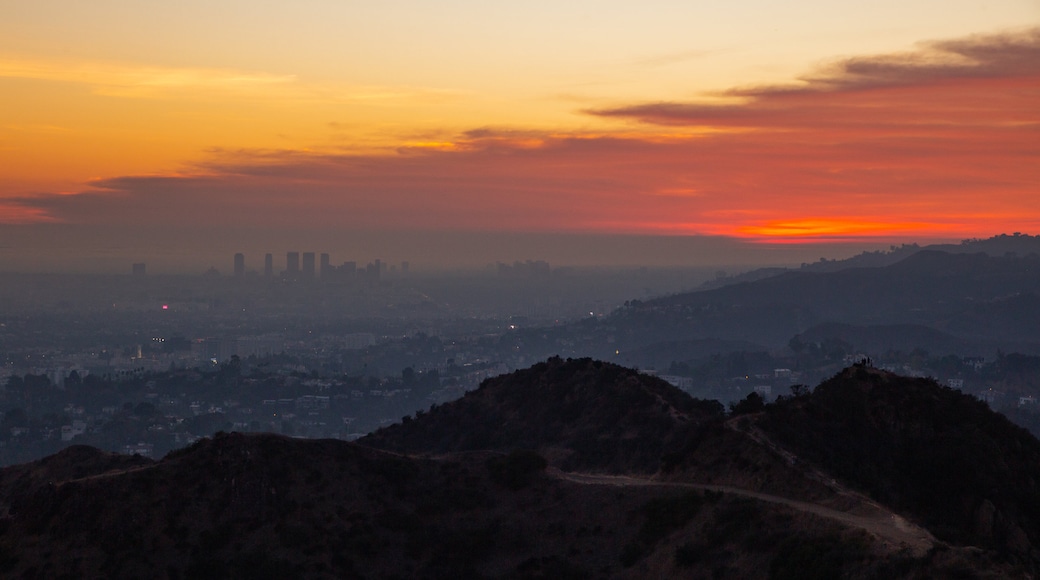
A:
<point x="968" y="474"/>
<point x="265" y="506"/>
<point x="583" y="414"/>
<point x="973" y="296"/>
<point x="768" y="492"/>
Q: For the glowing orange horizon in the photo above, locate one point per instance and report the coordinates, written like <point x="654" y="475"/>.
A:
<point x="869" y="148"/>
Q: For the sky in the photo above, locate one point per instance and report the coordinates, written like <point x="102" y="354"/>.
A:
<point x="465" y="131"/>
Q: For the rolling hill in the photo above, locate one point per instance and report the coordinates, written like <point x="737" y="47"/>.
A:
<point x="568" y="469"/>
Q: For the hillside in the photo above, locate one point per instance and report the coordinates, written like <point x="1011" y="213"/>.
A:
<point x="996" y="246"/>
<point x="968" y="474"/>
<point x="265" y="506"/>
<point x="582" y="414"/>
<point x="568" y="469"/>
<point x="973" y="297"/>
<point x="931" y="453"/>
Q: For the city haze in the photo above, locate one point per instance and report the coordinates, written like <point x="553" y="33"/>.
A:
<point x="193" y="250"/>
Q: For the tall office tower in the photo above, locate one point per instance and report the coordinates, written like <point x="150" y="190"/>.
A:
<point x="325" y="268"/>
<point x="268" y="265"/>
<point x="292" y="264"/>
<point x="138" y="269"/>
<point x="308" y="265"/>
<point x="240" y="265"/>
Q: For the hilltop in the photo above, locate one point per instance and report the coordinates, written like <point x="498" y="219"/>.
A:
<point x="568" y="469"/>
<point x="862" y="439"/>
<point x="587" y="414"/>
<point x="968" y="474"/>
<point x="266" y="506"/>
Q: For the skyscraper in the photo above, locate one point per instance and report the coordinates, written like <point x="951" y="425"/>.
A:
<point x="292" y="264"/>
<point x="240" y="265"/>
<point x="308" y="265"/>
<point x="325" y="268"/>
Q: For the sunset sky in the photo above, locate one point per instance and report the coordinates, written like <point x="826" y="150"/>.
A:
<point x="774" y="123"/>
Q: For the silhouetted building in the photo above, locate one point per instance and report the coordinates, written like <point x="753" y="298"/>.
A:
<point x="137" y="269"/>
<point x="240" y="265"/>
<point x="308" y="265"/>
<point x="348" y="270"/>
<point x="268" y="265"/>
<point x="325" y="267"/>
<point x="528" y="269"/>
<point x="292" y="264"/>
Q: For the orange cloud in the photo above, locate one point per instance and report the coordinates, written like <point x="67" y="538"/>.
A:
<point x="942" y="141"/>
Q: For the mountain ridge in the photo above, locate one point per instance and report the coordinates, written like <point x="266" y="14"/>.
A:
<point x="657" y="485"/>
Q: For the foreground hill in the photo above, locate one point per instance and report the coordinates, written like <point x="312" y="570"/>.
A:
<point x="968" y="474"/>
<point x="656" y="485"/>
<point x="583" y="414"/>
<point x="930" y="453"/>
<point x="265" y="506"/>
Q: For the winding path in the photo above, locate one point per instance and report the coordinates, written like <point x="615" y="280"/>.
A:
<point x="883" y="524"/>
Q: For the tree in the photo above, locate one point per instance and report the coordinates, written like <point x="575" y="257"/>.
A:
<point x="752" y="403"/>
<point x="800" y="390"/>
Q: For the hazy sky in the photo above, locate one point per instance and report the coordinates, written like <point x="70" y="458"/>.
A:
<point x="765" y="121"/>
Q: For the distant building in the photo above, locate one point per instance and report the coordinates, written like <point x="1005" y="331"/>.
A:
<point x="68" y="432"/>
<point x="371" y="271"/>
<point x="214" y="349"/>
<point x="325" y="267"/>
<point x="404" y="267"/>
<point x="292" y="264"/>
<point x="142" y="449"/>
<point x="259" y="345"/>
<point x="268" y="265"/>
<point x="308" y="265"/>
<point x="137" y="269"/>
<point x="358" y="340"/>
<point x="240" y="265"/>
<point x="678" y="381"/>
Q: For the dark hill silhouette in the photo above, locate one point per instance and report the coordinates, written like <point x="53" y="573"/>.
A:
<point x="936" y="455"/>
<point x="929" y="288"/>
<point x="266" y="506"/>
<point x="996" y="246"/>
<point x="582" y="413"/>
<point x="729" y="501"/>
<point x="891" y="337"/>
<point x="967" y="473"/>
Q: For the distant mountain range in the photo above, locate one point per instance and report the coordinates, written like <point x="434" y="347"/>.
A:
<point x="963" y="303"/>
<point x="996" y="246"/>
<point x="569" y="469"/>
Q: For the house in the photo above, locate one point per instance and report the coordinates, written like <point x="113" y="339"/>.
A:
<point x="142" y="449"/>
<point x="68" y="432"/>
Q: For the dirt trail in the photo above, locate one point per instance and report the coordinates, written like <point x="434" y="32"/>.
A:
<point x="883" y="524"/>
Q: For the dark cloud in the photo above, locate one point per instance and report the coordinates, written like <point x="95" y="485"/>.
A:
<point x="992" y="57"/>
